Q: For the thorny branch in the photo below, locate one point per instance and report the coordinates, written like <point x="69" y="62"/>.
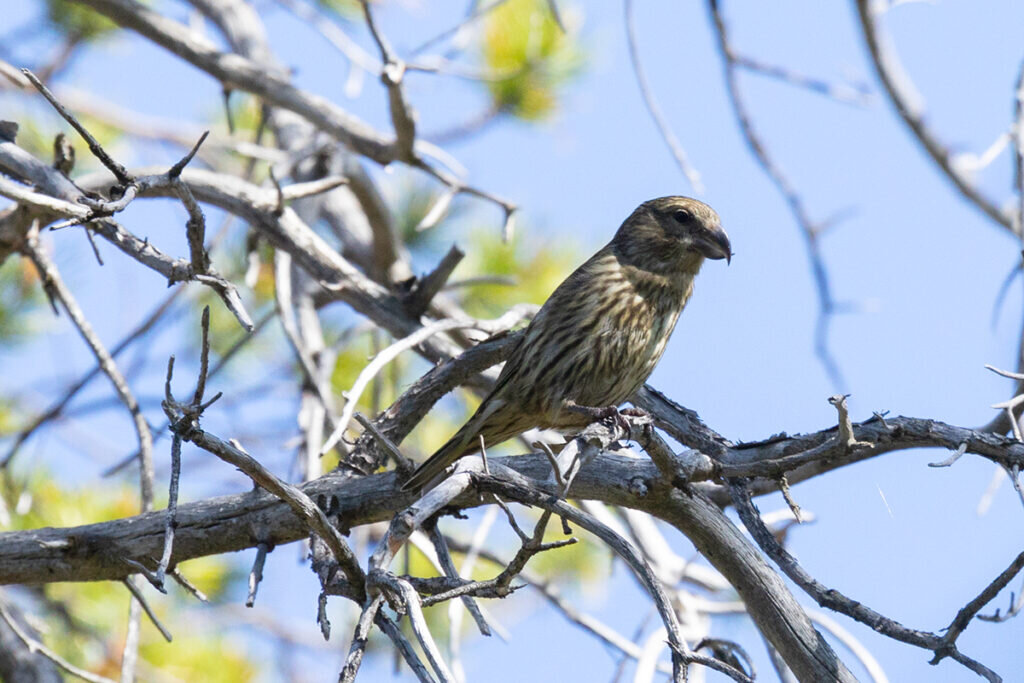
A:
<point x="184" y="420"/>
<point x="64" y="199"/>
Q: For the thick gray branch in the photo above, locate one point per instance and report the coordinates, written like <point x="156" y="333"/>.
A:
<point x="229" y="523"/>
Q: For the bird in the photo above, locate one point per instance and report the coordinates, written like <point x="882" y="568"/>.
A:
<point x="599" y="335"/>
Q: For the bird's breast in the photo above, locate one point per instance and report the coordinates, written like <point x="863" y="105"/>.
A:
<point x="595" y="341"/>
<point x="625" y="350"/>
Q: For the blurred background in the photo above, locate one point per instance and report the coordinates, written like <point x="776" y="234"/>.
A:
<point x="916" y="290"/>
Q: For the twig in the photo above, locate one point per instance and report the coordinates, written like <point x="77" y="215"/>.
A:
<point x="172" y="508"/>
<point x="188" y="585"/>
<point x="334" y="35"/>
<point x="942" y="646"/>
<point x="35" y="646"/>
<point x="379" y="361"/>
<point x="403" y="646"/>
<point x="808" y="228"/>
<point x="457" y="186"/>
<point x="130" y="651"/>
<point x="426" y="288"/>
<point x="794" y="508"/>
<point x="256" y="574"/>
<point x="321" y="615"/>
<point x="556" y="469"/>
<point x="117" y="169"/>
<point x="403" y="119"/>
<point x="197" y="407"/>
<point x="845" y="435"/>
<point x="730" y="652"/>
<point x="478" y="12"/>
<point x="285" y="305"/>
<point x="195" y="230"/>
<point x="137" y="593"/>
<point x="501" y="280"/>
<point x="553" y="8"/>
<point x="678" y="153"/>
<point x="214" y="371"/>
<point x="55" y="285"/>
<point x="455" y="609"/>
<point x="312" y="188"/>
<point x="184" y="421"/>
<point x="961" y="449"/>
<point x="970" y="610"/>
<point x="58" y="406"/>
<point x="1016" y="605"/>
<point x="438" y="210"/>
<point x="445" y="558"/>
<point x="1013" y="472"/>
<point x="359" y="640"/>
<point x="414" y="612"/>
<point x="589" y="623"/>
<point x="856" y="94"/>
<point x="898" y="86"/>
<point x="403" y="463"/>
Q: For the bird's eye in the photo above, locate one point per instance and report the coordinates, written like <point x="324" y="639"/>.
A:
<point x="682" y="216"/>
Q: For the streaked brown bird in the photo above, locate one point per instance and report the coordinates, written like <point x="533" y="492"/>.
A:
<point x="599" y="335"/>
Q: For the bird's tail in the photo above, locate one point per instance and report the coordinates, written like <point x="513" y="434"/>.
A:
<point x="455" y="448"/>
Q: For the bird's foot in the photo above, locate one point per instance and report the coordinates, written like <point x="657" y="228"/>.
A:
<point x="638" y="413"/>
<point x="603" y="413"/>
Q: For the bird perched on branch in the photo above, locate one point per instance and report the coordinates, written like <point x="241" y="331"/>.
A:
<point x="599" y="335"/>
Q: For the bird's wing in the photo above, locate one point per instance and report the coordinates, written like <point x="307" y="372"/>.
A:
<point x="463" y="442"/>
<point x="514" y="403"/>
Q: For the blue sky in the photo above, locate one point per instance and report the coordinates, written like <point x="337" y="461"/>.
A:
<point x="920" y="267"/>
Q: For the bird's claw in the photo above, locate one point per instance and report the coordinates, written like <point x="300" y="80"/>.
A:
<point x="638" y="413"/>
<point x="612" y="414"/>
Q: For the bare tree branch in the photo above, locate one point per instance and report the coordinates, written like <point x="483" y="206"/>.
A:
<point x="809" y="229"/>
<point x="897" y="85"/>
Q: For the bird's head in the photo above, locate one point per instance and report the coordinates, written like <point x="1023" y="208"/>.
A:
<point x="673" y="232"/>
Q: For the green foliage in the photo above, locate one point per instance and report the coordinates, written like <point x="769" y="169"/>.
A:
<point x="536" y="269"/>
<point x="9" y="420"/>
<point x="587" y="560"/>
<point x="52" y="505"/>
<point x="78" y="20"/>
<point x="201" y="655"/>
<point x="97" y="644"/>
<point x="346" y="9"/>
<point x="414" y="200"/>
<point x="20" y="299"/>
<point x="36" y="134"/>
<point x="246" y="118"/>
<point x="525" y="46"/>
<point x="354" y="354"/>
<point x="231" y="260"/>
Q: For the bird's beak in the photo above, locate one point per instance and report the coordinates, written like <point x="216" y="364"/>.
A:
<point x="715" y="245"/>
